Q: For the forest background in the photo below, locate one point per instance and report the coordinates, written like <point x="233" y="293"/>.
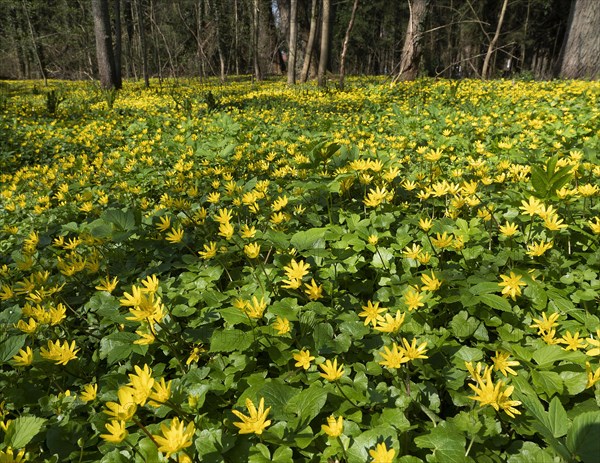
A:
<point x="84" y="39"/>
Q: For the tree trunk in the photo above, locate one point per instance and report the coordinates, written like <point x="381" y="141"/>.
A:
<point x="581" y="52"/>
<point x="34" y="45"/>
<point x="104" y="50"/>
<point x="324" y="55"/>
<point x="143" y="42"/>
<point x="128" y="16"/>
<point x="291" y="70"/>
<point x="411" y="51"/>
<point x="486" y="62"/>
<point x="345" y="44"/>
<point x="310" y="45"/>
<point x="117" y="49"/>
<point x="255" y="57"/>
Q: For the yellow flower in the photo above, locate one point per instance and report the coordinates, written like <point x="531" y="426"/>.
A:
<point x="89" y="392"/>
<point x="175" y="437"/>
<point x="8" y="456"/>
<point x="538" y="249"/>
<point x="161" y="392"/>
<point x="411" y="351"/>
<point x="592" y="376"/>
<point x="389" y="323"/>
<point x="141" y="384"/>
<point x="430" y="283"/>
<point x="23" y="358"/>
<point x="573" y="342"/>
<point x="373" y="239"/>
<point x="61" y="355"/>
<point x="392" y="358"/>
<point x="125" y="408"/>
<point x="425" y="224"/>
<point x="371" y="313"/>
<point x="303" y="359"/>
<point x="282" y="325"/>
<point x="503" y="364"/>
<point x="331" y="371"/>
<point x="145" y="338"/>
<point x="150" y="283"/>
<point x="594" y="342"/>
<point x="412" y="253"/>
<point x="533" y="207"/>
<point x="333" y="428"/>
<point x="553" y="223"/>
<point x="294" y="273"/>
<point x="595" y="226"/>
<point x="587" y="190"/>
<point x="441" y="241"/>
<point x="223" y="216"/>
<point x="247" y="232"/>
<point x="511" y="285"/>
<point x="313" y="291"/>
<point x="279" y="203"/>
<point x="252" y="250"/>
<point x="117" y="430"/>
<point x="108" y="285"/>
<point x="226" y="230"/>
<point x="503" y="401"/>
<point x="413" y="299"/>
<point x="164" y="223"/>
<point x="210" y="251"/>
<point x="545" y="324"/>
<point x="376" y="196"/>
<point x="509" y="229"/>
<point x="175" y="235"/>
<point x="256" y="422"/>
<point x="256" y="308"/>
<point x="214" y="197"/>
<point x="381" y="454"/>
<point x="30" y="327"/>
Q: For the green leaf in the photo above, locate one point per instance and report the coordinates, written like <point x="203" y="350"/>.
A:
<point x="496" y="302"/>
<point x="447" y="444"/>
<point x="485" y="287"/>
<point x="119" y="346"/>
<point x="148" y="451"/>
<point x="277" y="395"/>
<point x="557" y="418"/>
<point x="10" y="346"/>
<point x="307" y="404"/>
<point x="230" y="340"/>
<point x="582" y="439"/>
<point x="283" y="454"/>
<point x="309" y="239"/>
<point x="549" y="382"/>
<point x="22" y="430"/>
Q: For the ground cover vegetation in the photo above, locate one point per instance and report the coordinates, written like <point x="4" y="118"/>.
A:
<point x="256" y="272"/>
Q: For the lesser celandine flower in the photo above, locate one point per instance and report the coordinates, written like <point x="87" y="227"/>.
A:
<point x="59" y="354"/>
<point x="8" y="456"/>
<point x="376" y="196"/>
<point x="425" y="224"/>
<point x="508" y="229"/>
<point x="141" y="383"/>
<point x="313" y="291"/>
<point x="595" y="225"/>
<point x="592" y="376"/>
<point x="392" y="358"/>
<point x="371" y="313"/>
<point x="546" y="323"/>
<point x="413" y="299"/>
<point x="175" y="437"/>
<point x="572" y="342"/>
<point x="503" y="364"/>
<point x="595" y="344"/>
<point x="23" y="358"/>
<point x="117" y="431"/>
<point x="252" y="250"/>
<point x="175" y="235"/>
<point x="430" y="283"/>
<point x="210" y="251"/>
<point x="303" y="359"/>
<point x="538" y="249"/>
<point x="381" y="454"/>
<point x="282" y="325"/>
<point x="125" y="408"/>
<point x="108" y="285"/>
<point x="390" y="323"/>
<point x="331" y="371"/>
<point x="411" y="351"/>
<point x="334" y="427"/>
<point x="294" y="273"/>
<point x="89" y="392"/>
<point x="256" y="422"/>
<point x="531" y="207"/>
<point x="511" y="285"/>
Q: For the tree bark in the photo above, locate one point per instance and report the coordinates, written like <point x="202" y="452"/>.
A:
<point x="411" y="51"/>
<point x="581" y="52"/>
<point x="104" y="50"/>
<point x="324" y="55"/>
<point x="486" y="62"/>
<point x="117" y="49"/>
<point x="255" y="53"/>
<point x="310" y="45"/>
<point x="291" y="64"/>
<point x="345" y="44"/>
<point x="143" y="42"/>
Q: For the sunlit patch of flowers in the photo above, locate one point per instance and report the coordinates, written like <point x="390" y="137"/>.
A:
<point x="387" y="272"/>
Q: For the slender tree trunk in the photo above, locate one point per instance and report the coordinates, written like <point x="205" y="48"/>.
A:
<point x="310" y="45"/>
<point x="324" y="55"/>
<point x="581" y="52"/>
<point x="345" y="44"/>
<point x="291" y="70"/>
<point x="411" y="51"/>
<point x="486" y="62"/>
<point x="255" y="51"/>
<point x="34" y="45"/>
<point x="143" y="42"/>
<point x="117" y="49"/>
<point x="128" y="16"/>
<point x="104" y="49"/>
